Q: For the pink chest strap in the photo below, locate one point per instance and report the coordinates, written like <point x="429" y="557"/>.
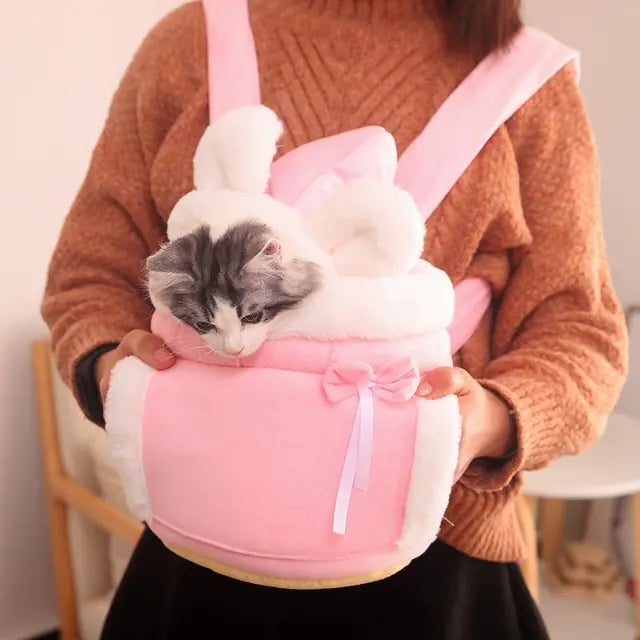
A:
<point x="434" y="161"/>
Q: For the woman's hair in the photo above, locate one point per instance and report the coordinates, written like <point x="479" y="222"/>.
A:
<point x="478" y="27"/>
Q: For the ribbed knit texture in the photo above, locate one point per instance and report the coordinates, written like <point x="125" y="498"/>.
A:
<point x="525" y="215"/>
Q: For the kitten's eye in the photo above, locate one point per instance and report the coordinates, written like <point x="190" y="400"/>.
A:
<point x="253" y="318"/>
<point x="204" y="327"/>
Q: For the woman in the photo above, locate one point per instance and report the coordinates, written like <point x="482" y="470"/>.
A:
<point x="534" y="382"/>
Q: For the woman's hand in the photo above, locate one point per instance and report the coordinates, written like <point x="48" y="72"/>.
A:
<point x="488" y="430"/>
<point x="143" y="345"/>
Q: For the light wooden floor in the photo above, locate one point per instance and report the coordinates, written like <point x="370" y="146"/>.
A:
<point x="574" y="619"/>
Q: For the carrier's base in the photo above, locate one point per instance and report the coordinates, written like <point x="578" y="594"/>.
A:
<point x="283" y="583"/>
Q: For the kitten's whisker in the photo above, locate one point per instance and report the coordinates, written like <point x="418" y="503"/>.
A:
<point x="204" y="355"/>
<point x="192" y="348"/>
<point x="195" y="348"/>
<point x="184" y="342"/>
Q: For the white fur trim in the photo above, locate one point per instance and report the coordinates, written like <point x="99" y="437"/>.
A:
<point x="223" y="209"/>
<point x="190" y="212"/>
<point x="373" y="308"/>
<point x="237" y="149"/>
<point x="436" y="456"/>
<point x="370" y="228"/>
<point x="124" y="411"/>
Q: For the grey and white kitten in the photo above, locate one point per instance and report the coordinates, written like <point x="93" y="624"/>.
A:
<point x="231" y="290"/>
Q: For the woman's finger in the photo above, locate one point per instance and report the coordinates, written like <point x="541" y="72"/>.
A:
<point x="149" y="348"/>
<point x="143" y="345"/>
<point x="461" y="468"/>
<point x="443" y="382"/>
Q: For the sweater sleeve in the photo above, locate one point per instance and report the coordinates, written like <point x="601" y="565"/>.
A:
<point x="93" y="295"/>
<point x="559" y="339"/>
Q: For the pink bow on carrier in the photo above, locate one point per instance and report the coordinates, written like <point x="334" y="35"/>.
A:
<point x="396" y="382"/>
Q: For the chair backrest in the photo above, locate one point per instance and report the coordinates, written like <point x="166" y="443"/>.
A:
<point x="74" y="435"/>
<point x="76" y="452"/>
<point x="629" y="402"/>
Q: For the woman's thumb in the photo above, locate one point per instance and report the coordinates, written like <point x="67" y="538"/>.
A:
<point x="150" y="349"/>
<point x="444" y="381"/>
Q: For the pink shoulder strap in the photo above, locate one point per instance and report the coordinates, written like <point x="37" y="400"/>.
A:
<point x="232" y="61"/>
<point x="465" y="122"/>
<point x="487" y="98"/>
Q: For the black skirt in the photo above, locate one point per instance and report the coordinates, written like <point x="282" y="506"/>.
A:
<point x="442" y="595"/>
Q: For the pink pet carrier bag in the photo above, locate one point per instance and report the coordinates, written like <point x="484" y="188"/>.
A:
<point x="311" y="464"/>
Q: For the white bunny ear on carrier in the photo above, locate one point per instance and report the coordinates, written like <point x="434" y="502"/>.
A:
<point x="370" y="228"/>
<point x="189" y="213"/>
<point x="236" y="151"/>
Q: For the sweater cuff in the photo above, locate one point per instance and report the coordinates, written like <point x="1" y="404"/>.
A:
<point x="87" y="386"/>
<point x="77" y="344"/>
<point x="530" y="405"/>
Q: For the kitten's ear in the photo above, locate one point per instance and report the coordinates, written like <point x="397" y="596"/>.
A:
<point x="163" y="285"/>
<point x="272" y="249"/>
<point x="168" y="270"/>
<point x="267" y="258"/>
<point x="237" y="149"/>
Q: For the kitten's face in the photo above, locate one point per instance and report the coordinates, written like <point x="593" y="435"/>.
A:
<point x="231" y="291"/>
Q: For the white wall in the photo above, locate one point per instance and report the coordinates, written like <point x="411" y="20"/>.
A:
<point x="59" y="64"/>
<point x="606" y="33"/>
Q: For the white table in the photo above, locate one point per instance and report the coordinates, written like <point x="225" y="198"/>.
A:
<point x="608" y="469"/>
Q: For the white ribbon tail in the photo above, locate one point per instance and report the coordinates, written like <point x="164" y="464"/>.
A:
<point x="357" y="464"/>
<point x="346" y="479"/>
<point x="365" y="448"/>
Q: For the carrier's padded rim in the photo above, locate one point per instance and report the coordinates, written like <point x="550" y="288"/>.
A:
<point x="262" y="580"/>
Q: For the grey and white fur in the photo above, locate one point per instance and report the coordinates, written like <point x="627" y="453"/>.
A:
<point x="231" y="290"/>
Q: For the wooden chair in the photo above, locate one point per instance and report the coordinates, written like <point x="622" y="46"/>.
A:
<point x="63" y="493"/>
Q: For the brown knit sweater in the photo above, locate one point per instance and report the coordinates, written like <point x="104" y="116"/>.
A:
<point x="525" y="215"/>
